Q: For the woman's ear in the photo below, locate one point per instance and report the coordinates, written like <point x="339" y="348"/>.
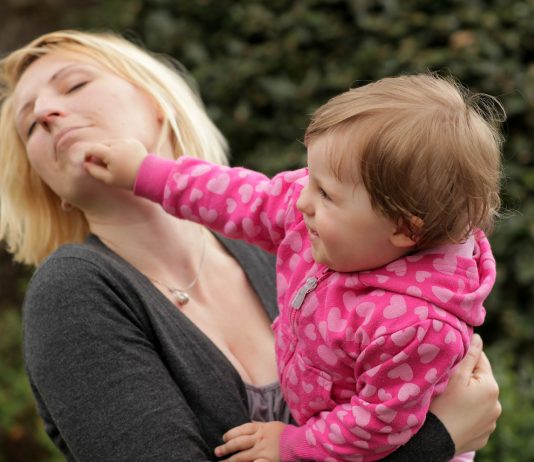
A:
<point x="66" y="206"/>
<point x="160" y="114"/>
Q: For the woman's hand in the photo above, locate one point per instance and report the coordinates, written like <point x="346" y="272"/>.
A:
<point x="114" y="162"/>
<point x="469" y="407"/>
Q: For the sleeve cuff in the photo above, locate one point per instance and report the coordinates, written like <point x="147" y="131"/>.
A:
<point x="152" y="177"/>
<point x="431" y="442"/>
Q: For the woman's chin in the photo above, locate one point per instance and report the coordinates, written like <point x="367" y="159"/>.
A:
<point x="76" y="158"/>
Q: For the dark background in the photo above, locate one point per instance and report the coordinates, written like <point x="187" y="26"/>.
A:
<point x="262" y="67"/>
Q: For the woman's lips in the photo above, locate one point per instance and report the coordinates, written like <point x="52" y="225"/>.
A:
<point x="60" y="135"/>
<point x="63" y="135"/>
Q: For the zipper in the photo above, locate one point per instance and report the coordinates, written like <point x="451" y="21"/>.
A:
<point x="305" y="289"/>
<point x="309" y="286"/>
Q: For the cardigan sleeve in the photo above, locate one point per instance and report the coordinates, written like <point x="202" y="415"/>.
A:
<point x="432" y="443"/>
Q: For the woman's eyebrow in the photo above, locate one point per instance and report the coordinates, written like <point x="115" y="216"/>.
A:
<point x="59" y="73"/>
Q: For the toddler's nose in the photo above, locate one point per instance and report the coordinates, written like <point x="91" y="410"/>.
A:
<point x="304" y="204"/>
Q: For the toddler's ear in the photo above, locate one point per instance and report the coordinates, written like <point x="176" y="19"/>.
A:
<point x="402" y="240"/>
<point x="404" y="236"/>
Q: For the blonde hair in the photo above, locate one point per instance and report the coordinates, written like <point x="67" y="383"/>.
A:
<point x="31" y="220"/>
<point x="427" y="150"/>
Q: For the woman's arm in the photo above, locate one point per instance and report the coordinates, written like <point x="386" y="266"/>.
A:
<point x="462" y="418"/>
<point x="469" y="407"/>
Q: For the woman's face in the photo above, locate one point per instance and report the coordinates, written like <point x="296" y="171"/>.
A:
<point x="61" y="102"/>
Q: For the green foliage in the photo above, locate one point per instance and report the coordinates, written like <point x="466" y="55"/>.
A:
<point x="512" y="441"/>
<point x="264" y="65"/>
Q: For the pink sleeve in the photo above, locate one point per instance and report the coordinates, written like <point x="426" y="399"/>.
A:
<point x="152" y="177"/>
<point x="239" y="203"/>
<point x="396" y="376"/>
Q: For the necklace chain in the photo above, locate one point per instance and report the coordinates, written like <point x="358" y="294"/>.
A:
<point x="180" y="296"/>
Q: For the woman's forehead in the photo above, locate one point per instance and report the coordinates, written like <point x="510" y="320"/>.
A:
<point x="44" y="67"/>
<point x="44" y="70"/>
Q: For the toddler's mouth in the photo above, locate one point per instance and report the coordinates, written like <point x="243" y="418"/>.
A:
<point x="313" y="234"/>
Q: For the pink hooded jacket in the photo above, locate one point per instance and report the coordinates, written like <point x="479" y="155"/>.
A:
<point x="360" y="355"/>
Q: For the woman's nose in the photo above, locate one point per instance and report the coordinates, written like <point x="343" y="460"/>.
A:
<point x="46" y="109"/>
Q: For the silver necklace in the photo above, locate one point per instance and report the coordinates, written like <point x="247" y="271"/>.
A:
<point x="180" y="296"/>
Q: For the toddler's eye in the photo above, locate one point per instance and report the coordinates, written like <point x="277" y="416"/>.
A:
<point x="323" y="193"/>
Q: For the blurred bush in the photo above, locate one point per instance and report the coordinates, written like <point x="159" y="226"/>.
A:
<point x="263" y="66"/>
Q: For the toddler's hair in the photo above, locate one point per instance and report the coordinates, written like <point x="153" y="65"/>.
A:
<point x="427" y="150"/>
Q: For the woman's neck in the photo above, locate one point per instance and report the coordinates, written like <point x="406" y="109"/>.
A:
<point x="157" y="244"/>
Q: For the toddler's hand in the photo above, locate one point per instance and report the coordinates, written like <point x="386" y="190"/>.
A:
<point x="114" y="162"/>
<point x="256" y="441"/>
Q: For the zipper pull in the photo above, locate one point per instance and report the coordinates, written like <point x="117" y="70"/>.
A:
<point x="309" y="285"/>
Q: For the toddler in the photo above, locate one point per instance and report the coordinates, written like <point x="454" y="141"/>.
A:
<point x="382" y="262"/>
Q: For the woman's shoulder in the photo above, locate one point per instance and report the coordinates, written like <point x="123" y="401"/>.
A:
<point x="89" y="256"/>
<point x="75" y="272"/>
<point x="82" y="285"/>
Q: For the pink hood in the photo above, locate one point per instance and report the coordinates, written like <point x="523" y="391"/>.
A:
<point x="455" y="277"/>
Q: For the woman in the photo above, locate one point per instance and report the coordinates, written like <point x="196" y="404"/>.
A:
<point x="151" y="337"/>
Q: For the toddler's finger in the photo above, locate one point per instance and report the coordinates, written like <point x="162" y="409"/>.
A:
<point x="97" y="153"/>
<point x="245" y="456"/>
<point x="238" y="443"/>
<point x="97" y="171"/>
<point x="245" y="429"/>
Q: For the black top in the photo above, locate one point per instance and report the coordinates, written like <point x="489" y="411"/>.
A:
<point x="119" y="374"/>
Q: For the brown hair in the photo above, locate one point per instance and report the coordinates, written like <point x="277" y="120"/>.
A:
<point x="31" y="220"/>
<point x="427" y="151"/>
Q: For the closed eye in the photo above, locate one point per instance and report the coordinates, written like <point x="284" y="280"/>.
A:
<point x="72" y="89"/>
<point x="31" y="128"/>
<point x="77" y="87"/>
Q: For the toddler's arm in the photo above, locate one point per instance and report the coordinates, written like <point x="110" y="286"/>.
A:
<point x="239" y="203"/>
<point x="466" y="413"/>
<point x="395" y="377"/>
<point x="468" y="408"/>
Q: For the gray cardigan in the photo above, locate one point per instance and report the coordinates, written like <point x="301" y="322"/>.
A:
<point x="119" y="374"/>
